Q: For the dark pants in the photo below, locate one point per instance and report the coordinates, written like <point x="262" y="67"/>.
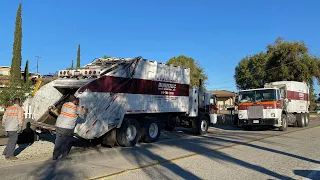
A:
<point x="11" y="146"/>
<point x="62" y="143"/>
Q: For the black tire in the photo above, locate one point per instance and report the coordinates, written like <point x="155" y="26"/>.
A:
<point x="150" y="131"/>
<point x="307" y="119"/>
<point x="247" y="128"/>
<point x="202" y="125"/>
<point x="170" y="124"/>
<point x="300" y="120"/>
<point x="284" y="123"/>
<point x="133" y="128"/>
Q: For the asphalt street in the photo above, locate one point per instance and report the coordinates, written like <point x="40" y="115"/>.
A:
<point x="224" y="153"/>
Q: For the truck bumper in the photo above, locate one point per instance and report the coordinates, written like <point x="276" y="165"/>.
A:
<point x="259" y="122"/>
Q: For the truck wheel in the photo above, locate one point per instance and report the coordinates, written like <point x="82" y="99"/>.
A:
<point x="170" y="125"/>
<point x="150" y="131"/>
<point x="300" y="120"/>
<point x="307" y="118"/>
<point x="129" y="133"/>
<point x="247" y="128"/>
<point x="202" y="126"/>
<point x="284" y="123"/>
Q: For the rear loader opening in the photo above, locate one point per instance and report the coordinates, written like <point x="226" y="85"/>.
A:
<point x="53" y="112"/>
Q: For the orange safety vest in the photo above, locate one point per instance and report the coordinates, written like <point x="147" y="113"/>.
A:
<point x="13" y="118"/>
<point x="68" y="116"/>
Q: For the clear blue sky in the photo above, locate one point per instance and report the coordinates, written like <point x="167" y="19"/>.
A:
<point x="216" y="33"/>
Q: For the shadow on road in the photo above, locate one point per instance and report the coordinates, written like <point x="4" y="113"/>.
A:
<point x="149" y="159"/>
<point x="53" y="170"/>
<point x="310" y="174"/>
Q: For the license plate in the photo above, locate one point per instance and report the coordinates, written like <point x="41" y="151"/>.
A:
<point x="255" y="121"/>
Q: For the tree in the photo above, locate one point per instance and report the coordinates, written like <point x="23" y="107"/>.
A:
<point x="21" y="90"/>
<point x="26" y="72"/>
<point x="15" y="70"/>
<point x="106" y="57"/>
<point x="250" y="71"/>
<point x="196" y="71"/>
<point x="283" y="61"/>
<point x="78" y="57"/>
<point x="72" y="65"/>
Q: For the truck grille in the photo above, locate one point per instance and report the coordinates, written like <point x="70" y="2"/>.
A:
<point x="255" y="112"/>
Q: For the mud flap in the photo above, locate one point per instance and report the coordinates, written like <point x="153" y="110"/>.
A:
<point x="213" y="118"/>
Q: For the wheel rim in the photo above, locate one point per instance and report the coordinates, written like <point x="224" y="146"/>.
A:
<point x="153" y="130"/>
<point x="204" y="125"/>
<point x="131" y="132"/>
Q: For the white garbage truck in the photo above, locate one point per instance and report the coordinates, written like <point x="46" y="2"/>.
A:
<point x="277" y="104"/>
<point x="128" y="100"/>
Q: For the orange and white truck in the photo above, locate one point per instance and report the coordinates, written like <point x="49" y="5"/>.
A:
<point x="277" y="105"/>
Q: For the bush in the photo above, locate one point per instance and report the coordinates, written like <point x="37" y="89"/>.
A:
<point x="20" y="90"/>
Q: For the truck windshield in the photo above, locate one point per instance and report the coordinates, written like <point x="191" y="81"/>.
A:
<point x="258" y="95"/>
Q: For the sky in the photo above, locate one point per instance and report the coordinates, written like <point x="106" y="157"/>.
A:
<point x="218" y="34"/>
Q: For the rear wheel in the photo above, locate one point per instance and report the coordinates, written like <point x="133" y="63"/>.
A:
<point x="170" y="124"/>
<point x="300" y="119"/>
<point x="307" y="119"/>
<point x="284" y="123"/>
<point x="150" y="131"/>
<point x="129" y="133"/>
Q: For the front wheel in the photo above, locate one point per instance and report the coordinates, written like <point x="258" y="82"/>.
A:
<point x="202" y="126"/>
<point x="129" y="133"/>
<point x="247" y="128"/>
<point x="284" y="123"/>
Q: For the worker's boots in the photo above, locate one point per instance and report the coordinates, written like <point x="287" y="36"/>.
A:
<point x="11" y="158"/>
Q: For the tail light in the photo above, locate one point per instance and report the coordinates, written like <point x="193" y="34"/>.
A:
<point x="90" y="72"/>
<point x="94" y="72"/>
<point x="86" y="72"/>
<point x="64" y="72"/>
<point x="60" y="72"/>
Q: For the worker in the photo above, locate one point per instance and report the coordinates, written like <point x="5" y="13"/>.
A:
<point x="65" y="125"/>
<point x="12" y="121"/>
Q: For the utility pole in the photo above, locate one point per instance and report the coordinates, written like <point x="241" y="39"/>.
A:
<point x="38" y="57"/>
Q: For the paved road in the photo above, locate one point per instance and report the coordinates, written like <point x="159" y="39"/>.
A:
<point x="225" y="153"/>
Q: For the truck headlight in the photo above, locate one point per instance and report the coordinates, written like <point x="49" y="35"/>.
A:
<point x="240" y="115"/>
<point x="273" y="115"/>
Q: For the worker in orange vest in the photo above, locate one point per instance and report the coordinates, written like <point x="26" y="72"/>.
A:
<point x="12" y="121"/>
<point x="65" y="125"/>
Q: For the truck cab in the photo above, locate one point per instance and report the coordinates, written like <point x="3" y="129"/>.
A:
<point x="262" y="106"/>
<point x="277" y="104"/>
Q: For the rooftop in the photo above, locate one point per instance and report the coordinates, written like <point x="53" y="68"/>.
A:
<point x="223" y="93"/>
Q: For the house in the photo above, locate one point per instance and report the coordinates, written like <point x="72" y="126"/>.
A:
<point x="4" y="70"/>
<point x="225" y="98"/>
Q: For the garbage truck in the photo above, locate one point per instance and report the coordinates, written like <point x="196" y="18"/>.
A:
<point x="128" y="100"/>
<point x="276" y="105"/>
